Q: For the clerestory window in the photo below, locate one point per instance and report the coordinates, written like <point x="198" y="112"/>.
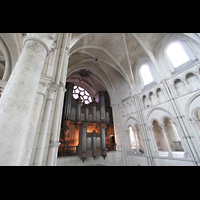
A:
<point x="84" y="94"/>
<point x="177" y="54"/>
<point x="146" y="74"/>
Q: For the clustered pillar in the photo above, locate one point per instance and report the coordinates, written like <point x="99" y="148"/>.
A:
<point x="18" y="97"/>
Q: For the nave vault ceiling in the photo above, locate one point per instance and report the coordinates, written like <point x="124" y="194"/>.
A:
<point x="114" y="54"/>
<point x="109" y="58"/>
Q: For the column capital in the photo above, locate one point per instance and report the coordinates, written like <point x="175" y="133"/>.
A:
<point x="48" y="40"/>
<point x="51" y="94"/>
<point x="30" y="38"/>
<point x="42" y="87"/>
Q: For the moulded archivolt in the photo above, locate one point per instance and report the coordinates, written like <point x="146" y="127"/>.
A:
<point x="162" y="112"/>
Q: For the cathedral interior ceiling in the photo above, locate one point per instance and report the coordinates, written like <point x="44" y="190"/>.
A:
<point x="112" y="53"/>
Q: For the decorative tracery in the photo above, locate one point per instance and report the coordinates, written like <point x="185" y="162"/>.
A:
<point x="84" y="94"/>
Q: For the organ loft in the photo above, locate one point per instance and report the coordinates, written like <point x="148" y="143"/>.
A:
<point x="87" y="125"/>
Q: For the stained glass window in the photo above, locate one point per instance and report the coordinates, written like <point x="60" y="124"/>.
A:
<point x="84" y="95"/>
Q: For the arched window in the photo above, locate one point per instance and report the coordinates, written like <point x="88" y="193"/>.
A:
<point x="146" y="74"/>
<point x="84" y="94"/>
<point x="177" y="54"/>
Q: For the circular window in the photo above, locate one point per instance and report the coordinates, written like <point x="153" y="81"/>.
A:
<point x="84" y="95"/>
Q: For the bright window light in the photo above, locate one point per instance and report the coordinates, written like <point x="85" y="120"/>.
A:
<point x="146" y="74"/>
<point x="177" y="54"/>
<point x="84" y="95"/>
<point x="132" y="137"/>
<point x="134" y="141"/>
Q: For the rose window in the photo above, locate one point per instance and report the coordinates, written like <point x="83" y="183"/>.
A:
<point x="84" y="94"/>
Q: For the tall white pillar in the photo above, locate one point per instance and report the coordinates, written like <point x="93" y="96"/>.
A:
<point x="136" y="139"/>
<point x="27" y="145"/>
<point x="17" y="99"/>
<point x="60" y="81"/>
<point x="54" y="141"/>
<point x="44" y="128"/>
<point x="166" y="140"/>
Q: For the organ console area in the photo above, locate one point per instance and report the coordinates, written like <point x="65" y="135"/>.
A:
<point x="87" y="129"/>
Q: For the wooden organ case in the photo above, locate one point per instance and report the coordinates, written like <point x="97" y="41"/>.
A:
<point x="87" y="129"/>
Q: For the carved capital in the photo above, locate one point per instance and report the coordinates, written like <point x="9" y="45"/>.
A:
<point x="51" y="94"/>
<point x="48" y="40"/>
<point x="42" y="87"/>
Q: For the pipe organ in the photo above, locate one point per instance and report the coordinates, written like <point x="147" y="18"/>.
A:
<point x="87" y="129"/>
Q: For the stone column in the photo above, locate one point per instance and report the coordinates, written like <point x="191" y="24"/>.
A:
<point x="156" y="98"/>
<point x="186" y="84"/>
<point x="18" y="97"/>
<point x="83" y="134"/>
<point x="136" y="142"/>
<point x="149" y="101"/>
<point x="44" y="128"/>
<point x="67" y="102"/>
<point x="102" y="106"/>
<point x="27" y="145"/>
<point x="174" y="90"/>
<point x="183" y="142"/>
<point x="166" y="140"/>
<point x="54" y="141"/>
<point x="60" y="81"/>
<point x="103" y="140"/>
<point x="152" y="137"/>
